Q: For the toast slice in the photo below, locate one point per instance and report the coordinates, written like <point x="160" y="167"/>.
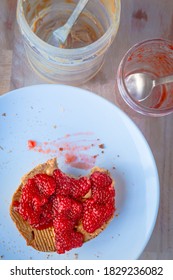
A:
<point x="44" y="239"/>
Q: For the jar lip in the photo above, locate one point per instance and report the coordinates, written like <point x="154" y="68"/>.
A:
<point x="71" y="52"/>
<point x="136" y="106"/>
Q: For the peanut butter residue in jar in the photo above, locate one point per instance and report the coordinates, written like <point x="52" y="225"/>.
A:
<point x="87" y="29"/>
<point x="81" y="35"/>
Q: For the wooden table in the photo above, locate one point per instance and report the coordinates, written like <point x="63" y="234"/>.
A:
<point x="139" y="20"/>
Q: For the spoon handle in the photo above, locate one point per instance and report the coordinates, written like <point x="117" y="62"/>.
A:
<point x="78" y="9"/>
<point x="164" y="80"/>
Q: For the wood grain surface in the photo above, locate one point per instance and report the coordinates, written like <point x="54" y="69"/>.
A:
<point x="140" y="20"/>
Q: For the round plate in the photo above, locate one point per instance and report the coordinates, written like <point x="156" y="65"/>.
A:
<point x="81" y="130"/>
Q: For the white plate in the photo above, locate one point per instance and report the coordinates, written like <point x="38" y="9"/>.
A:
<point x="57" y="115"/>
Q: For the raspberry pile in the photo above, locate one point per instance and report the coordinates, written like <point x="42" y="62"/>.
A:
<point x="59" y="201"/>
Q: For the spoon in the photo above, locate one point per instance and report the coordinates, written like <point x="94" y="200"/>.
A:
<point x="59" y="36"/>
<point x="140" y="85"/>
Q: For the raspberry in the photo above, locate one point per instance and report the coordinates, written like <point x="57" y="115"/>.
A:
<point x="77" y="239"/>
<point x="63" y="182"/>
<point x="62" y="224"/>
<point x="67" y="206"/>
<point x="67" y="241"/>
<point x="93" y="217"/>
<point x="88" y="204"/>
<point x="61" y="204"/>
<point x="29" y="194"/>
<point x="45" y="183"/>
<point x="45" y="219"/>
<point x="101" y="187"/>
<point x="76" y="210"/>
<point x="34" y="218"/>
<point x="96" y="214"/>
<point x="100" y="179"/>
<point x="80" y="187"/>
<point x="103" y="195"/>
<point x="42" y="218"/>
<point x="77" y="188"/>
<point x="67" y="212"/>
<point x="33" y="207"/>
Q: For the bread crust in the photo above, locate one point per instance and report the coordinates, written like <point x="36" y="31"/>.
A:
<point x="44" y="240"/>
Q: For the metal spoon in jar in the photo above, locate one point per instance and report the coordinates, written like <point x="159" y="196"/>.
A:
<point x="59" y="36"/>
<point x="140" y="85"/>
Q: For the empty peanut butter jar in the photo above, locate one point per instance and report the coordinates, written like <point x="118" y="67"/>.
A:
<point x="82" y="56"/>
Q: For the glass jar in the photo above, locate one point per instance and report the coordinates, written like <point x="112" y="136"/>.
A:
<point x="155" y="58"/>
<point x="37" y="18"/>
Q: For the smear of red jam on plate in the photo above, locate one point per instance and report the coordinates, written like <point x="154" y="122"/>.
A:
<point x="81" y="161"/>
<point x="31" y="144"/>
<point x="78" y="150"/>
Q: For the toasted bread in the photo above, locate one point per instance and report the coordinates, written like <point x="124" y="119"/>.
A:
<point x="44" y="240"/>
